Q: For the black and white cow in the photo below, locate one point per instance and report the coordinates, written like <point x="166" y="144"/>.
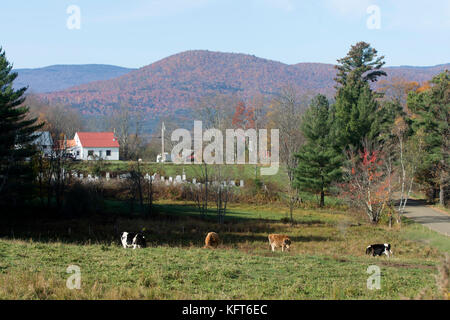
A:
<point x="379" y="249"/>
<point x="133" y="240"/>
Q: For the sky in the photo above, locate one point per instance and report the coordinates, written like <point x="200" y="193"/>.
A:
<point x="135" y="33"/>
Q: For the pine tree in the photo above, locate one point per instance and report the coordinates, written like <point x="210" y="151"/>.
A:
<point x="385" y="117"/>
<point x="16" y="134"/>
<point x="356" y="107"/>
<point x="318" y="162"/>
<point x="432" y="109"/>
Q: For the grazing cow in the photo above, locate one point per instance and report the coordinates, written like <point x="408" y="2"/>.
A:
<point x="212" y="240"/>
<point x="379" y="249"/>
<point x="133" y="240"/>
<point x="279" y="240"/>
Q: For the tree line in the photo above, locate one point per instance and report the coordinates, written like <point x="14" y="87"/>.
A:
<point x="368" y="146"/>
<point x="371" y="148"/>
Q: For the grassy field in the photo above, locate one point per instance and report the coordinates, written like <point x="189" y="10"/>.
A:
<point x="327" y="260"/>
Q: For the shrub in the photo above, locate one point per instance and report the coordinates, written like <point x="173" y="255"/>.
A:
<point x="257" y="191"/>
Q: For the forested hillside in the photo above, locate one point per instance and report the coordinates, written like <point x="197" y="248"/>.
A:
<point x="179" y="81"/>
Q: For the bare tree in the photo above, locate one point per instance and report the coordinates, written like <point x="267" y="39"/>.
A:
<point x="200" y="191"/>
<point x="285" y="115"/>
<point x="127" y="126"/>
<point x="121" y="123"/>
<point x="59" y="120"/>
<point x="222" y="194"/>
<point x="52" y="174"/>
<point x="221" y="190"/>
<point x="64" y="121"/>
<point x="258" y="114"/>
<point x="138" y="187"/>
<point x="410" y="153"/>
<point x="397" y="89"/>
<point x="214" y="112"/>
<point x="389" y="164"/>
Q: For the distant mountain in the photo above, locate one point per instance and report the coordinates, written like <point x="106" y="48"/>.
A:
<point x="176" y="83"/>
<point x="60" y="77"/>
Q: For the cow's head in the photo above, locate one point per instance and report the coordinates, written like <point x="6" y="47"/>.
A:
<point x="287" y="243"/>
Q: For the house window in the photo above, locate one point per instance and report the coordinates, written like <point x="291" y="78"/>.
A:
<point x="78" y="152"/>
<point x="90" y="153"/>
<point x="108" y="153"/>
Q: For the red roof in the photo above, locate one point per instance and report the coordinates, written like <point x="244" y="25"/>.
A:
<point x="98" y="139"/>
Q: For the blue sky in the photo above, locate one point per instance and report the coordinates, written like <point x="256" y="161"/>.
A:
<point x="135" y="33"/>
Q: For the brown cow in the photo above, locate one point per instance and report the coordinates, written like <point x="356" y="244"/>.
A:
<point x="212" y="240"/>
<point x="279" y="240"/>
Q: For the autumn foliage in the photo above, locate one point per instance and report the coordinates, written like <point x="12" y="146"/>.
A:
<point x="177" y="83"/>
<point x="366" y="182"/>
<point x="243" y="117"/>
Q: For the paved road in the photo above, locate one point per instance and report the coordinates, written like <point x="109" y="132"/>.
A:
<point x="433" y="219"/>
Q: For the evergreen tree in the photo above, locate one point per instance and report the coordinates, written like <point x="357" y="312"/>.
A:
<point x="432" y="109"/>
<point x="385" y="117"/>
<point x="16" y="133"/>
<point x="356" y="107"/>
<point x="318" y="162"/>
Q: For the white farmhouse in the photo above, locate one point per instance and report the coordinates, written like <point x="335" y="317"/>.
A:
<point x="95" y="145"/>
